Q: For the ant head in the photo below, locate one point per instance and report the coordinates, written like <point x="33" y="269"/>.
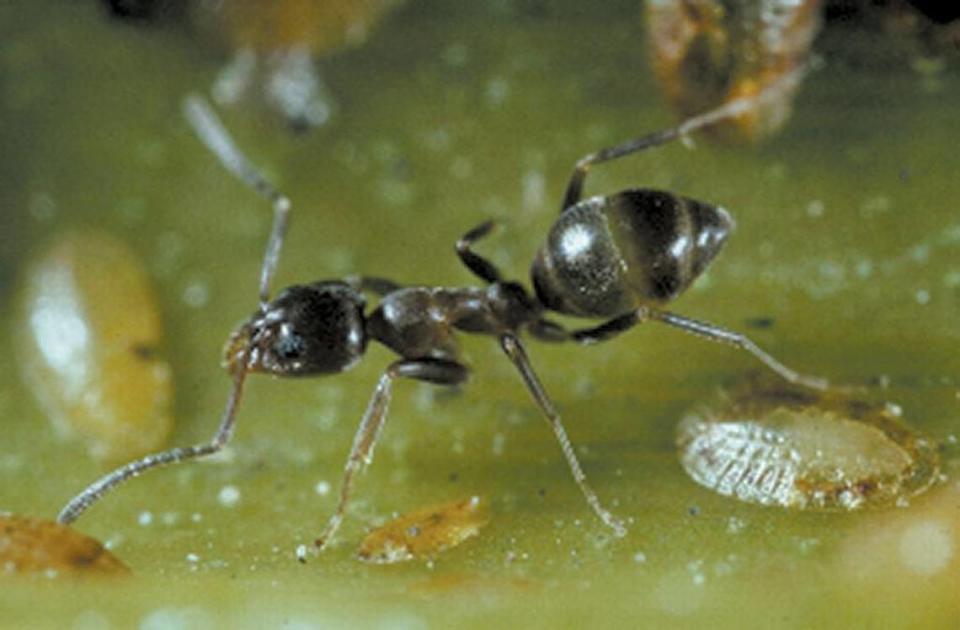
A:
<point x="308" y="329"/>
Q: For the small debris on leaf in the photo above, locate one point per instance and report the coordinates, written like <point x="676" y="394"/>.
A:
<point x="424" y="533"/>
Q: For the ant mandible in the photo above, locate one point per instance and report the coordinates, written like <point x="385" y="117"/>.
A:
<point x="618" y="257"/>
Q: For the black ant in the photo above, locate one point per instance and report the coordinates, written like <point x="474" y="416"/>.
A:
<point x="617" y="257"/>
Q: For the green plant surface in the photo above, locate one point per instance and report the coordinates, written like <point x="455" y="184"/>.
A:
<point x="847" y="241"/>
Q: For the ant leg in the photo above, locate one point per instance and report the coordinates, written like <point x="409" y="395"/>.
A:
<point x="80" y="503"/>
<point x="611" y="328"/>
<point x="617" y="325"/>
<point x="547" y="330"/>
<point x="480" y="266"/>
<point x="514" y="349"/>
<point x="438" y="371"/>
<point x="730" y="109"/>
<point x="380" y="286"/>
<point x="214" y="135"/>
<point x="716" y="333"/>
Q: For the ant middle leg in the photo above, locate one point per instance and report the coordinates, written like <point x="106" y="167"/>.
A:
<point x="374" y="284"/>
<point x="437" y="371"/>
<point x="513" y="348"/>
<point x="480" y="266"/>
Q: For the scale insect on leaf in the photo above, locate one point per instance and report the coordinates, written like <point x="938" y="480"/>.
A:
<point x="616" y="259"/>
<point x="767" y="443"/>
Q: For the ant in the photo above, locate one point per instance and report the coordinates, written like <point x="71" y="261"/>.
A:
<point x="617" y="257"/>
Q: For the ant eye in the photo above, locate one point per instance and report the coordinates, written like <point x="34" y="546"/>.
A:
<point x="289" y="346"/>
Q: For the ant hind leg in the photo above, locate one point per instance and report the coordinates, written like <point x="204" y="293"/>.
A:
<point x="730" y="109"/>
<point x="610" y="328"/>
<point x="547" y="330"/>
<point x="722" y="335"/>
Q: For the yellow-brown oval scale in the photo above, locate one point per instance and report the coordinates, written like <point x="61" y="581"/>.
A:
<point x="425" y="532"/>
<point x="31" y="545"/>
<point x="89" y="338"/>
<point x="780" y="446"/>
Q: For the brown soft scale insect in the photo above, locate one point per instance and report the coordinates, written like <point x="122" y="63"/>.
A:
<point x="617" y="257"/>
<point x="31" y="546"/>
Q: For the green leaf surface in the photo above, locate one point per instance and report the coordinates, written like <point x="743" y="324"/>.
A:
<point x="847" y="244"/>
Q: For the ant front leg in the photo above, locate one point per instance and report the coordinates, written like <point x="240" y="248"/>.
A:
<point x="514" y="350"/>
<point x="437" y="371"/>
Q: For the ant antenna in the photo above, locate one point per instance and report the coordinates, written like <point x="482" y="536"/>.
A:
<point x="212" y="133"/>
<point x="79" y="504"/>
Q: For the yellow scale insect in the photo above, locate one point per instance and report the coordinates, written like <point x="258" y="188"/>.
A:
<point x="90" y="349"/>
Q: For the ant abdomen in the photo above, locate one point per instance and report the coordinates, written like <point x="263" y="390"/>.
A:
<point x="605" y="256"/>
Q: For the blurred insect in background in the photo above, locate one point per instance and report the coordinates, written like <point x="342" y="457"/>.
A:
<point x="274" y="46"/>
<point x="709" y="52"/>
